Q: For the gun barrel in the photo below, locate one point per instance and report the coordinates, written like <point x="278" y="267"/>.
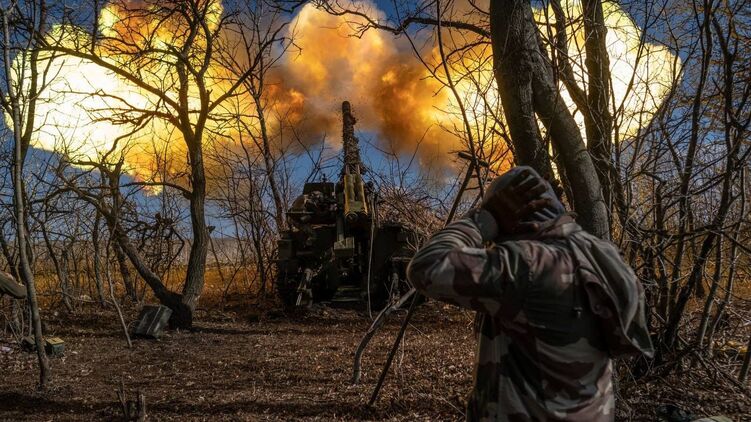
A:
<point x="350" y="144"/>
<point x="355" y="203"/>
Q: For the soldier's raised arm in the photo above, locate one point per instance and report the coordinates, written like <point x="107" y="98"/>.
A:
<point x="454" y="266"/>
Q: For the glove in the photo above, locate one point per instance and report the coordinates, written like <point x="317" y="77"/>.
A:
<point x="513" y="205"/>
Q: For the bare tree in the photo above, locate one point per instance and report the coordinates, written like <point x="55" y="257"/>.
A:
<point x="19" y="96"/>
<point x="259" y="48"/>
<point x="183" y="96"/>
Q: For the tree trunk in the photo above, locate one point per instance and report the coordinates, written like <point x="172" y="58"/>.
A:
<point x="664" y="301"/>
<point x="27" y="276"/>
<point x="684" y="199"/>
<point x="96" y="258"/>
<point x="513" y="27"/>
<point x="270" y="166"/>
<point x="697" y="269"/>
<point x="733" y="265"/>
<point x="746" y="361"/>
<point x="598" y="121"/>
<point x="194" y="279"/>
<point x="707" y="310"/>
<point x="181" y="313"/>
<point x="122" y="262"/>
<point x="19" y="194"/>
<point x="170" y="299"/>
<point x="514" y="43"/>
<point x="60" y="268"/>
<point x="64" y="275"/>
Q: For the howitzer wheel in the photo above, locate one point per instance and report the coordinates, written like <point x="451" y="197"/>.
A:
<point x="327" y="285"/>
<point x="286" y="289"/>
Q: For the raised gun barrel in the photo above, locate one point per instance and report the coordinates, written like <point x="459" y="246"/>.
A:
<point x="355" y="202"/>
<point x="350" y="144"/>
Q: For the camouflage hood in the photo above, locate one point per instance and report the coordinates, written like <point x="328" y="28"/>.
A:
<point x="614" y="292"/>
<point x="556" y="208"/>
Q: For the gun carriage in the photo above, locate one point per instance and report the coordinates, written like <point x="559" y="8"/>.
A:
<point x="336" y="249"/>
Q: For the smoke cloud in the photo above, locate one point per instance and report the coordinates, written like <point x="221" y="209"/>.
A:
<point x="400" y="99"/>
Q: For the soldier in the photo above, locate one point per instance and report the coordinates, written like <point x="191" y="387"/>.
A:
<point x="9" y="286"/>
<point x="556" y="303"/>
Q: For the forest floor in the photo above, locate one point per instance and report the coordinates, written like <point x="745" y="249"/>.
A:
<point x="243" y="366"/>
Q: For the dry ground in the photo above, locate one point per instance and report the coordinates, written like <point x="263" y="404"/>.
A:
<point x="235" y="366"/>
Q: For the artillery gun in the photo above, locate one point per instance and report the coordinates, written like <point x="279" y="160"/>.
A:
<point x="336" y="250"/>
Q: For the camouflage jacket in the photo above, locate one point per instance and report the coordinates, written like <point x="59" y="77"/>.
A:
<point x="550" y="323"/>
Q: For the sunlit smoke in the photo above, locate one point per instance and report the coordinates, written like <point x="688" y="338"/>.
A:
<point x="83" y="110"/>
<point x="642" y="73"/>
<point x="399" y="99"/>
<point x="92" y="114"/>
<point x="395" y="96"/>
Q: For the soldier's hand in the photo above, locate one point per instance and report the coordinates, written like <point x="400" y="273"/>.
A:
<point x="514" y="203"/>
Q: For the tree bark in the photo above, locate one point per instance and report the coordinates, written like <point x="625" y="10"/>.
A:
<point x="61" y="268"/>
<point x="746" y="363"/>
<point x="517" y="55"/>
<point x="96" y="268"/>
<point x="598" y="121"/>
<point x="270" y="163"/>
<point x="733" y="258"/>
<point x="707" y="310"/>
<point x="194" y="279"/>
<point x="181" y="313"/>
<point x="127" y="277"/>
<point x="170" y="299"/>
<point x="684" y="199"/>
<point x="514" y="44"/>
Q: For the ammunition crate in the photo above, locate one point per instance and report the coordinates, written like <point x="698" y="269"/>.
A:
<point x="53" y="346"/>
<point x="151" y="321"/>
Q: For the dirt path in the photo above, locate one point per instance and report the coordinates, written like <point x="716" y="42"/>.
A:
<point x="278" y="368"/>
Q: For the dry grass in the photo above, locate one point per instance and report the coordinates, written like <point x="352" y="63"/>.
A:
<point x="247" y="366"/>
